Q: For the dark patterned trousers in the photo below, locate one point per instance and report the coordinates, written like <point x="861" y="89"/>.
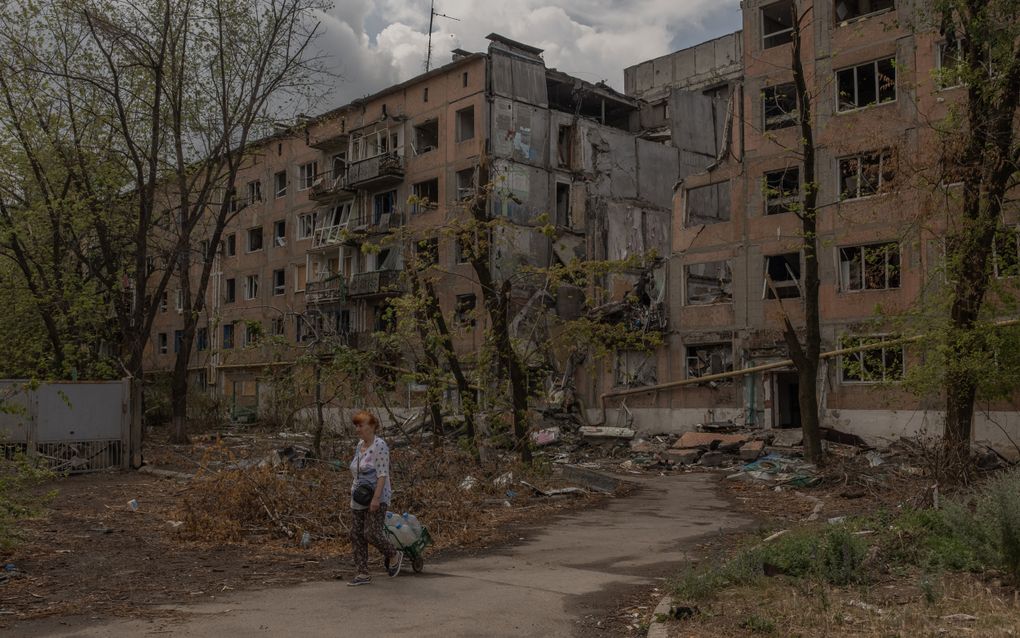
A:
<point x="368" y="528"/>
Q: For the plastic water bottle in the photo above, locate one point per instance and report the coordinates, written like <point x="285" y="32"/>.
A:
<point x="404" y="534"/>
<point x="412" y="522"/>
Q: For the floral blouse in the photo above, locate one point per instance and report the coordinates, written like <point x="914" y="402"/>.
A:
<point x="370" y="465"/>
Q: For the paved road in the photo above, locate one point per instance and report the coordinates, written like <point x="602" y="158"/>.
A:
<point x="540" y="587"/>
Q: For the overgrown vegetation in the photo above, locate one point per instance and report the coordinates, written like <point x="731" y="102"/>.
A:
<point x="18" y="501"/>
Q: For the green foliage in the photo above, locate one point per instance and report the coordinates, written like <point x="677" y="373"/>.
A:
<point x="18" y="476"/>
<point x="759" y="625"/>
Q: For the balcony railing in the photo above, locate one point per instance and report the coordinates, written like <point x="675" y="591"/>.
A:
<point x="382" y="223"/>
<point x="329" y="185"/>
<point x="374" y="283"/>
<point x="328" y="235"/>
<point x="332" y="290"/>
<point x="388" y="167"/>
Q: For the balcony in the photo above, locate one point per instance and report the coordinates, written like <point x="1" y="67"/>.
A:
<point x="376" y="282"/>
<point x="377" y="224"/>
<point x="336" y="141"/>
<point x="329" y="185"/>
<point x="376" y="171"/>
<point x="332" y="290"/>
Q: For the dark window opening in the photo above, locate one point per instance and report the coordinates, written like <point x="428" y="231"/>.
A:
<point x="426" y="195"/>
<point x="464" y="310"/>
<point x="465" y="184"/>
<point x="782" y="274"/>
<point x="873" y="365"/>
<point x="202" y="339"/>
<point x="867" y="84"/>
<point x="279" y="282"/>
<point x="280" y="181"/>
<point x="280" y="232"/>
<point x="865" y="175"/>
<point x="231" y="245"/>
<point x="162" y="340"/>
<point x="464" y="79"/>
<point x="383" y="205"/>
<point x="779" y="106"/>
<point x="425" y="94"/>
<point x="178" y="340"/>
<point x="708" y="283"/>
<point x="562" y="204"/>
<point x="851" y="9"/>
<point x="564" y="146"/>
<point x="782" y="190"/>
<point x="873" y="267"/>
<point x="254" y="239"/>
<point x="777" y="24"/>
<point x="231" y="290"/>
<point x="426" y="137"/>
<point x="465" y="124"/>
<point x="714" y="358"/>
<point x="228" y="336"/>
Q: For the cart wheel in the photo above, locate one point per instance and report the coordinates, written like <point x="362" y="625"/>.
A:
<point x="418" y="564"/>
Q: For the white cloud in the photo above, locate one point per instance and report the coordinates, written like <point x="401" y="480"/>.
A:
<point x="375" y="44"/>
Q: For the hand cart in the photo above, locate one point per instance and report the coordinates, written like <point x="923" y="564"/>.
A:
<point x="416" y="550"/>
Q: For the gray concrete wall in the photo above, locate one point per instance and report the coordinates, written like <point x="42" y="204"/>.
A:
<point x="708" y="63"/>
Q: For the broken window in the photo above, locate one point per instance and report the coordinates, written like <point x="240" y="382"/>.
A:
<point x="279" y="282"/>
<point x="1006" y="252"/>
<point x="162" y="341"/>
<point x="871" y="267"/>
<point x="306" y="224"/>
<point x="564" y="146"/>
<point x="254" y="239"/>
<point x="277" y="327"/>
<point x="340" y="214"/>
<point x="251" y="287"/>
<point x="254" y="191"/>
<point x="777" y="24"/>
<point x="867" y="84"/>
<point x="383" y="205"/>
<point x="464" y="310"/>
<point x="782" y="276"/>
<point x="873" y="365"/>
<point x="231" y="292"/>
<point x="635" y="368"/>
<point x="228" y="336"/>
<point x="562" y="204"/>
<point x="338" y="165"/>
<point x="281" y="184"/>
<point x="851" y="9"/>
<point x="425" y="194"/>
<point x="280" y="232"/>
<point x="231" y="247"/>
<point x="465" y="184"/>
<point x="426" y="137"/>
<point x="779" y="106"/>
<point x="782" y="190"/>
<point x="865" y="174"/>
<point x="465" y="124"/>
<point x="708" y="204"/>
<point x="306" y="175"/>
<point x="708" y="283"/>
<point x="710" y="358"/>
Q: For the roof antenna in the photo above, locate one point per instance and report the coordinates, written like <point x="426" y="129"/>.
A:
<point x="432" y="16"/>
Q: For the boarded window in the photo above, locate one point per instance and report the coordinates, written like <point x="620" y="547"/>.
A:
<point x="708" y="204"/>
<point x="873" y="365"/>
<point x="782" y="190"/>
<point x="712" y="358"/>
<point x="783" y="272"/>
<point x="871" y="267"/>
<point x="635" y="368"/>
<point x="779" y="106"/>
<point x="707" y="283"/>
<point x="777" y="24"/>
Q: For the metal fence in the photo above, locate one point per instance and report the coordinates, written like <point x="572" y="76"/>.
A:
<point x="74" y="426"/>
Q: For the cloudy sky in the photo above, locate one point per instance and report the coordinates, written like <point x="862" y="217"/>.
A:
<point x="374" y="43"/>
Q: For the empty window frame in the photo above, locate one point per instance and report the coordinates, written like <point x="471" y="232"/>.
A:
<point x="777" y="24"/>
<point x="852" y="9"/>
<point x="279" y="282"/>
<point x="1006" y="252"/>
<point x="280" y="184"/>
<point x="254" y="191"/>
<point x="179" y="303"/>
<point x="865" y="174"/>
<point x="340" y="214"/>
<point x="306" y="175"/>
<point x="635" y="368"/>
<point x="708" y="204"/>
<point x="383" y="205"/>
<point x="709" y="358"/>
<point x="783" y="273"/>
<point x="338" y="164"/>
<point x="254" y="239"/>
<point x="869" y="267"/>
<point x="163" y="301"/>
<point x="425" y="194"/>
<point x="280" y="232"/>
<point x="230" y="295"/>
<point x="231" y="245"/>
<point x="779" y="106"/>
<point x="306" y="224"/>
<point x="278" y="327"/>
<point x="866" y="84"/>
<point x="162" y="342"/>
<point x="465" y="124"/>
<point x="366" y="145"/>
<point x="464" y="310"/>
<point x="465" y="184"/>
<point x="781" y="190"/>
<point x="562" y="204"/>
<point x="873" y="365"/>
<point x="251" y="287"/>
<point x="708" y="283"/>
<point x="228" y="336"/>
<point x="426" y="137"/>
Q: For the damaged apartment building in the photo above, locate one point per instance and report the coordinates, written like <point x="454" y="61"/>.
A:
<point x="729" y="107"/>
<point x="312" y="251"/>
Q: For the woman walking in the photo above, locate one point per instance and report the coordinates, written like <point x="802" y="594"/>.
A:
<point x="370" y="497"/>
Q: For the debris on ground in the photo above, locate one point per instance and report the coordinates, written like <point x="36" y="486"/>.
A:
<point x="779" y="470"/>
<point x="545" y="436"/>
<point x="599" y="432"/>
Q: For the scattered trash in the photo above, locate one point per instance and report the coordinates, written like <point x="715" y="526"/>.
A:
<point x="707" y="440"/>
<point x="548" y="436"/>
<point x="773" y="537"/>
<point x="641" y="446"/>
<point x="837" y="520"/>
<point x="600" y="432"/>
<point x="133" y="504"/>
<point x="751" y="450"/>
<point x="960" y="618"/>
<point x="563" y="491"/>
<point x="504" y="480"/>
<point x="787" y="437"/>
<point x="306" y="540"/>
<point x="778" y="469"/>
<point x="866" y="607"/>
<point x="468" y="483"/>
<point x="874" y="458"/>
<point x="175" y="524"/>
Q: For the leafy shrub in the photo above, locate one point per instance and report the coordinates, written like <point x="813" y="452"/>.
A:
<point x="18" y="474"/>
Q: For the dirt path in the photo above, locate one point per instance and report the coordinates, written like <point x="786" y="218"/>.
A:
<point x="577" y="566"/>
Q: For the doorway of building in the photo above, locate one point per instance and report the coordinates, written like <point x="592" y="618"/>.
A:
<point x="786" y="406"/>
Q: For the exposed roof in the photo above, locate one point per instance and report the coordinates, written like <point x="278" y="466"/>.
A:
<point x="495" y="37"/>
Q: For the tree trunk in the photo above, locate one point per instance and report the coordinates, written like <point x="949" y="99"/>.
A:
<point x="467" y="397"/>
<point x="320" y="421"/>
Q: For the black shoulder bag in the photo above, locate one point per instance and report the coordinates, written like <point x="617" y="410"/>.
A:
<point x="363" y="493"/>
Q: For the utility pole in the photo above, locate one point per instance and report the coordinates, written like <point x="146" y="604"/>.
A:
<point x="432" y="17"/>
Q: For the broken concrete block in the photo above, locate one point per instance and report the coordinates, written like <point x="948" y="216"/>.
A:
<point x="787" y="438"/>
<point x="548" y="436"/>
<point x="684" y="455"/>
<point x="751" y="450"/>
<point x="715" y="459"/>
<point x="641" y="446"/>
<point x="706" y="439"/>
<point x="598" y="432"/>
